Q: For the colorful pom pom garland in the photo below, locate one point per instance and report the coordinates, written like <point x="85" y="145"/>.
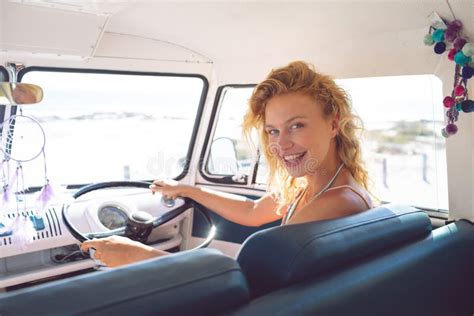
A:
<point x="462" y="53"/>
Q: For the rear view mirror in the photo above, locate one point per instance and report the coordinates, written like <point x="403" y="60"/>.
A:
<point x="20" y="93"/>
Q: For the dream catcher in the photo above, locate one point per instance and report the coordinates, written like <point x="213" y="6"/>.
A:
<point x="22" y="140"/>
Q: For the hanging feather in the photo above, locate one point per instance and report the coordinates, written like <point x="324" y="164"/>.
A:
<point x="48" y="192"/>
<point x="23" y="231"/>
<point x="5" y="198"/>
<point x="8" y="199"/>
<point x="45" y="197"/>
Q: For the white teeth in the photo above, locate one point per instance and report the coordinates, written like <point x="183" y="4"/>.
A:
<point x="292" y="157"/>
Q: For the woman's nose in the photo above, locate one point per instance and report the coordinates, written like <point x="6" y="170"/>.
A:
<point x="284" y="141"/>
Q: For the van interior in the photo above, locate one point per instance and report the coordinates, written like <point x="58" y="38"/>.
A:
<point x="99" y="98"/>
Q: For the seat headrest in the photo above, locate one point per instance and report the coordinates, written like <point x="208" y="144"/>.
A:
<point x="280" y="256"/>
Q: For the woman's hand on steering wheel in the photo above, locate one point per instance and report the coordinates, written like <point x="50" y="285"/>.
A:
<point x="116" y="251"/>
<point x="170" y="189"/>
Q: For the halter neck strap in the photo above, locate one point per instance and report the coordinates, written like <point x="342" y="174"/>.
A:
<point x="329" y="184"/>
<point x="292" y="207"/>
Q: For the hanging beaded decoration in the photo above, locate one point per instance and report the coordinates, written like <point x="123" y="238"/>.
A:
<point x="440" y="35"/>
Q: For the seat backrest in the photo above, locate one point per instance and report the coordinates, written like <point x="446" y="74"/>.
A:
<point x="433" y="276"/>
<point x="197" y="282"/>
<point x="281" y="256"/>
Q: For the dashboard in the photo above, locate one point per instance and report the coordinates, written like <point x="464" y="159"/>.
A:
<point x="54" y="251"/>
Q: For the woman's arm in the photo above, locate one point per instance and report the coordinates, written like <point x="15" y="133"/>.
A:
<point x="115" y="251"/>
<point x="232" y="207"/>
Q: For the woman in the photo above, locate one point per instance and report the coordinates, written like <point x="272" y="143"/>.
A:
<point x="308" y="135"/>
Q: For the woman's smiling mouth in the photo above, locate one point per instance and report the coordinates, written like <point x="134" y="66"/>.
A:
<point x="292" y="161"/>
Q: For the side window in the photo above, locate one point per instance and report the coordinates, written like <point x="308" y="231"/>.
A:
<point x="403" y="147"/>
<point x="229" y="153"/>
<point x="402" y="144"/>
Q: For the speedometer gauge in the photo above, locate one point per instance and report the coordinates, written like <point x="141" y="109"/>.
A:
<point x="112" y="217"/>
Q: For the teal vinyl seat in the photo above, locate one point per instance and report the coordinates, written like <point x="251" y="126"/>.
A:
<point x="198" y="282"/>
<point x="372" y="263"/>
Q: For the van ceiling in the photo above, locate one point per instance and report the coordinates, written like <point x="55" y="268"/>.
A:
<point x="344" y="38"/>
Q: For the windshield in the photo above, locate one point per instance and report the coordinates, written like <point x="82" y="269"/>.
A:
<point x="110" y="126"/>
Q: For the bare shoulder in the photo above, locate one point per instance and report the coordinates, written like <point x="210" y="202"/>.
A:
<point x="344" y="201"/>
<point x="332" y="204"/>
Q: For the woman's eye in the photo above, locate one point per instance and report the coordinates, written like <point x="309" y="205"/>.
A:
<point x="272" y="132"/>
<point x="296" y="125"/>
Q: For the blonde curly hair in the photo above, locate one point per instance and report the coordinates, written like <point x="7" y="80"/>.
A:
<point x="300" y="77"/>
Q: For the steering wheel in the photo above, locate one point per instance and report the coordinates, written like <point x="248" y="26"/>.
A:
<point x="139" y="224"/>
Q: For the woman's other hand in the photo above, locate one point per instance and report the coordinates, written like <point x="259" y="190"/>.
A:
<point x="171" y="189"/>
<point x="116" y="251"/>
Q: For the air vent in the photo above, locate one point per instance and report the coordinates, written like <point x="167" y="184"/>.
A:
<point x="52" y="223"/>
<point x="47" y="228"/>
<point x="6" y="241"/>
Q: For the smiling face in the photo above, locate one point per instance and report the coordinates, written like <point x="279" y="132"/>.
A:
<point x="298" y="134"/>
